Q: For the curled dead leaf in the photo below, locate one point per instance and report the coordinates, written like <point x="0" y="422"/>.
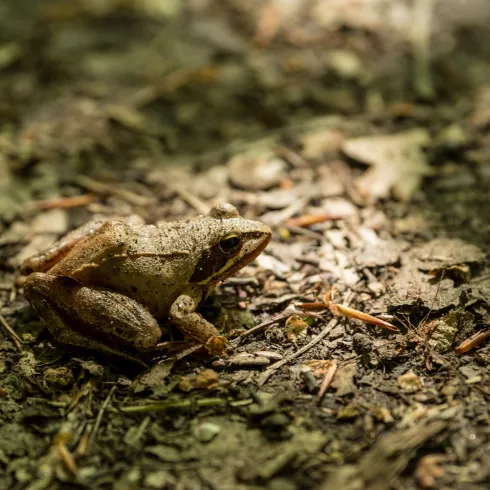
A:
<point x="207" y="379"/>
<point x="410" y="382"/>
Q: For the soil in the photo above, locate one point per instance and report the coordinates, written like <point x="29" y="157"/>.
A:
<point x="359" y="131"/>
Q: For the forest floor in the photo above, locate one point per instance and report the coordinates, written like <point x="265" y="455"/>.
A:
<point x="359" y="132"/>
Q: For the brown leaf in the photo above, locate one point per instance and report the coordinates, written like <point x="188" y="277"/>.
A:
<point x="344" y="379"/>
<point x="398" y="163"/>
<point x="155" y="376"/>
<point x="207" y="379"/>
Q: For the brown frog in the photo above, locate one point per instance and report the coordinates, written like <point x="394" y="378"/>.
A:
<point x="105" y="285"/>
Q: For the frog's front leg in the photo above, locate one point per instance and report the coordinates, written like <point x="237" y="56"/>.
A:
<point x="90" y="317"/>
<point x="194" y="326"/>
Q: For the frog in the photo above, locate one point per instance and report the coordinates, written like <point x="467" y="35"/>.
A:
<point x="110" y="284"/>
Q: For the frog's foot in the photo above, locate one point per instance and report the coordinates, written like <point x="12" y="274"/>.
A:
<point x="94" y="318"/>
<point x="195" y="327"/>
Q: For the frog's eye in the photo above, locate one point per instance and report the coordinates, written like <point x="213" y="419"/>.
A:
<point x="230" y="243"/>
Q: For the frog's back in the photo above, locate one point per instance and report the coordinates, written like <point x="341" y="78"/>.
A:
<point x="147" y="263"/>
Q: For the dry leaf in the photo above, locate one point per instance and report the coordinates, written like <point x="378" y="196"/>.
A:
<point x="156" y="376"/>
<point x="398" y="163"/>
<point x="344" y="379"/>
<point x="318" y="368"/>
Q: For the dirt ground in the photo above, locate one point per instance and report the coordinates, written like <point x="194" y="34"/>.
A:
<point x="359" y="132"/>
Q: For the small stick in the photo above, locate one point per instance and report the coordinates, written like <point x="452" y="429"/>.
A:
<point x="346" y="311"/>
<point x="331" y="370"/>
<point x="359" y="315"/>
<point x="259" y="327"/>
<point x="100" y="415"/>
<point x="310" y="219"/>
<point x="274" y="218"/>
<point x="113" y="190"/>
<point x="193" y="201"/>
<point x="315" y="305"/>
<point x="330" y="325"/>
<point x="65" y="455"/>
<point x="63" y="202"/>
<point x="293" y="157"/>
<point x="474" y="341"/>
<point x="12" y="333"/>
<point x="82" y="445"/>
<point x="180" y="405"/>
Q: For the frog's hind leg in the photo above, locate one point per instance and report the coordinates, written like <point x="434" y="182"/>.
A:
<point x="94" y="318"/>
<point x="43" y="261"/>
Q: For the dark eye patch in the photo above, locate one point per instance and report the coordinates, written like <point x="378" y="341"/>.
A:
<point x="212" y="260"/>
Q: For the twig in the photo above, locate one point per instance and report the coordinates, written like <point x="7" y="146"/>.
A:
<point x="310" y="219"/>
<point x="305" y="232"/>
<point x="180" y="405"/>
<point x="185" y="353"/>
<point x="474" y="341"/>
<point x="293" y="157"/>
<point x="330" y="325"/>
<point x="65" y="454"/>
<point x="346" y="311"/>
<point x="136" y="437"/>
<point x="13" y="335"/>
<point x="480" y="279"/>
<point x="63" y="202"/>
<point x="82" y="445"/>
<point x="331" y="370"/>
<point x="274" y="218"/>
<point x="193" y="201"/>
<point x="100" y="416"/>
<point x="113" y="190"/>
<point x="261" y="326"/>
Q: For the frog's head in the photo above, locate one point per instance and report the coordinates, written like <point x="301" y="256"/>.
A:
<point x="229" y="242"/>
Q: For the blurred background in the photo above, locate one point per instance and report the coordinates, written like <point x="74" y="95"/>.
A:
<point x="112" y="88"/>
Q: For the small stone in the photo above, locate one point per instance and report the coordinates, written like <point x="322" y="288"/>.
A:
<point x="410" y="382"/>
<point x="377" y="288"/>
<point x="168" y="454"/>
<point x="206" y="431"/>
<point x="159" y="479"/>
<point x="256" y="172"/>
